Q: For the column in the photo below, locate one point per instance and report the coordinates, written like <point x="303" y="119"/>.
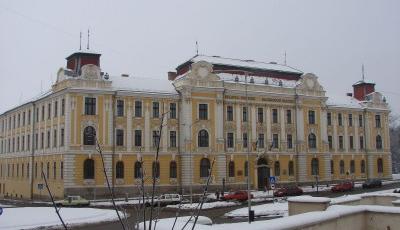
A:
<point x="253" y="120"/>
<point x="268" y="121"/>
<point x="219" y="126"/>
<point x="128" y="128"/>
<point x="165" y="131"/>
<point x="147" y="131"/>
<point x="185" y="139"/>
<point x="238" y="120"/>
<point x="283" y="130"/>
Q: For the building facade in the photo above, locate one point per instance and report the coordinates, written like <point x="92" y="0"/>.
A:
<point x="219" y="113"/>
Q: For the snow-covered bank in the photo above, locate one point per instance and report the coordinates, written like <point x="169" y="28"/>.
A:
<point x="277" y="209"/>
<point x="35" y="217"/>
<point x="167" y="223"/>
<point x="217" y="204"/>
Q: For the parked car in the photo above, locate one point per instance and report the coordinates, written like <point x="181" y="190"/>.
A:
<point x="397" y="190"/>
<point x="238" y="195"/>
<point x="73" y="201"/>
<point x="288" y="191"/>
<point x="374" y="183"/>
<point x="164" y="200"/>
<point x="342" y="187"/>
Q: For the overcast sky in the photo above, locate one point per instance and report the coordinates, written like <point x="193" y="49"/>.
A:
<point x="329" y="38"/>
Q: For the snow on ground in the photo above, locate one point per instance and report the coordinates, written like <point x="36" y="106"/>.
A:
<point x="396" y="176"/>
<point x="277" y="209"/>
<point x="6" y="206"/>
<point x="167" y="223"/>
<point x="35" y="217"/>
<point x="216" y="204"/>
<point x="118" y="203"/>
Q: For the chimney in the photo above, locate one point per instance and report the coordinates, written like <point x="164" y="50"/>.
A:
<point x="363" y="88"/>
<point x="172" y="75"/>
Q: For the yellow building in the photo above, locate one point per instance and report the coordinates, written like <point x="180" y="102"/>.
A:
<point x="214" y="112"/>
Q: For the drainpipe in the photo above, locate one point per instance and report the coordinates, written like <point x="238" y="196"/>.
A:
<point x="365" y="142"/>
<point x="32" y="147"/>
<point x="113" y="142"/>
<point x="296" y="98"/>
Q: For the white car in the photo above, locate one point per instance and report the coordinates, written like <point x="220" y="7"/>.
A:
<point x="165" y="199"/>
<point x="73" y="201"/>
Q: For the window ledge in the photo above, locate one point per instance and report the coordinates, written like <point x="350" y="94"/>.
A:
<point x="89" y="182"/>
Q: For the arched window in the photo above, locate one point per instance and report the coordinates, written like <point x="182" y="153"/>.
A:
<point x="277" y="167"/>
<point x="352" y="167"/>
<point x="314" y="167"/>
<point x="173" y="170"/>
<point x="231" y="168"/>
<point x="341" y="166"/>
<point x="156" y="169"/>
<point x="312" y="141"/>
<point x="246" y="168"/>
<point x="119" y="170"/>
<point x="204" y="167"/>
<point x="138" y="170"/>
<point x="88" y="169"/>
<point x="203" y="138"/>
<point x="378" y="142"/>
<point x="362" y="166"/>
<point x="89" y="135"/>
<point x="380" y="165"/>
<point x="291" y="168"/>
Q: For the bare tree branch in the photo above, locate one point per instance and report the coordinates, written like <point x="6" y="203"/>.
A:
<point x="52" y="201"/>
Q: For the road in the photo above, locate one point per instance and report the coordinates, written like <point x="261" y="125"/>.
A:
<point x="217" y="214"/>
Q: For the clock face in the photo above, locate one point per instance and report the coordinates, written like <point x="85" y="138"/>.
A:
<point x="203" y="72"/>
<point x="310" y="83"/>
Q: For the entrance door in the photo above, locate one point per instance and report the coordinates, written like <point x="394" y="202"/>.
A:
<point x="262" y="173"/>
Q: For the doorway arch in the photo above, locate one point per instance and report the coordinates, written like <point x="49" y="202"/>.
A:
<point x="262" y="173"/>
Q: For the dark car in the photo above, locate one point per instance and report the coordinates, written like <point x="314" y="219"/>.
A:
<point x="288" y="191"/>
<point x="342" y="187"/>
<point x="397" y="190"/>
<point x="239" y="195"/>
<point x="375" y="183"/>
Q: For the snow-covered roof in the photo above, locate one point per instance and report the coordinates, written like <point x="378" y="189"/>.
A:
<point x="245" y="63"/>
<point x="227" y="77"/>
<point x="143" y="84"/>
<point x="33" y="99"/>
<point x="309" y="199"/>
<point x="343" y="101"/>
<point x="365" y="81"/>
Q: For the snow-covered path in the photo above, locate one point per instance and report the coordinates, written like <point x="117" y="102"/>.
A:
<point x="35" y="217"/>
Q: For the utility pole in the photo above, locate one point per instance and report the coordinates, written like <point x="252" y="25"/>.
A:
<point x="248" y="151"/>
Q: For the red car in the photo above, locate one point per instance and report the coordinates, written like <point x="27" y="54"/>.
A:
<point x="342" y="187"/>
<point x="288" y="191"/>
<point x="239" y="195"/>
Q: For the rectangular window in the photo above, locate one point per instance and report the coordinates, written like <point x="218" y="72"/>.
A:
<point x="48" y="139"/>
<point x="62" y="170"/>
<point x="261" y="140"/>
<point x="90" y="106"/>
<point x="23" y="118"/>
<point x="155" y="139"/>
<point x="351" y="142"/>
<point x="361" y="142"/>
<point x="245" y="140"/>
<point x="62" y="107"/>
<point x="330" y="142"/>
<point x="28" y="142"/>
<point x="62" y="137"/>
<point x="19" y="120"/>
<point x="120" y="137"/>
<point x="377" y="121"/>
<point x="138" y="109"/>
<point x="55" y="108"/>
<point x="156" y="109"/>
<point x="360" y="120"/>
<point x="55" y="138"/>
<point x="340" y="119"/>
<point x="289" y="116"/>
<point x="274" y="115"/>
<point x="244" y="114"/>
<point x="229" y="140"/>
<point x="17" y="144"/>
<point x="329" y="118"/>
<point x="37" y="114"/>
<point x="14" y="122"/>
<point x="42" y="141"/>
<point x="341" y="144"/>
<point x="48" y="111"/>
<point x="23" y="143"/>
<point x="172" y="139"/>
<point x="36" y="141"/>
<point x="289" y="141"/>
<point x="350" y="119"/>
<point x="120" y="108"/>
<point x="138" y="138"/>
<point x="275" y="141"/>
<point x="260" y="115"/>
<point x="311" y="117"/>
<point x="203" y="111"/>
<point x="54" y="170"/>
<point x="172" y="110"/>
<point x="29" y="117"/>
<point x="229" y="113"/>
